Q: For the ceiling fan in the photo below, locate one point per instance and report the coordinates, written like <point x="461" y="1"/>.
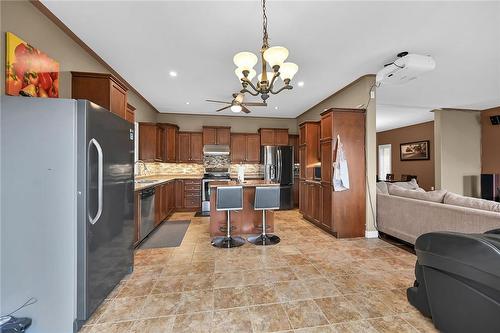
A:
<point x="237" y="104"/>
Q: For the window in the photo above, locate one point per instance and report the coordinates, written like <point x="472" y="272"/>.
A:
<point x="384" y="161"/>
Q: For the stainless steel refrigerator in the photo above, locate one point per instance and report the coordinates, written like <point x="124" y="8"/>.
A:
<point x="67" y="208"/>
<point x="278" y="167"/>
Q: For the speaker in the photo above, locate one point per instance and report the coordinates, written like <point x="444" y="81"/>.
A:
<point x="495" y="120"/>
<point x="490" y="187"/>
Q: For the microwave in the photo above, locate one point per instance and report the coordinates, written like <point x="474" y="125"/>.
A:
<point x="317" y="173"/>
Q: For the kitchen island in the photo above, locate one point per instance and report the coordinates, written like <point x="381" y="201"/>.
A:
<point x="245" y="221"/>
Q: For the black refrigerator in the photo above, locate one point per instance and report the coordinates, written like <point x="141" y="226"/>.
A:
<point x="278" y="167"/>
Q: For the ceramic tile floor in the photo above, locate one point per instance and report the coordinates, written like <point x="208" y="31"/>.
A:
<point x="310" y="282"/>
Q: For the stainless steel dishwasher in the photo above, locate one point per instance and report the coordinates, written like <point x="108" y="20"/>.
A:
<point x="147" y="223"/>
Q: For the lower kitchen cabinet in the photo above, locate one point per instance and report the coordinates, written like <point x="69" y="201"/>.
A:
<point x="295" y="192"/>
<point x="310" y="195"/>
<point x="164" y="201"/>
<point x="188" y="193"/>
<point x="326" y="206"/>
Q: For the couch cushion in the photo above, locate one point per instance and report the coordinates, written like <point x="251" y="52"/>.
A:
<point x="382" y="188"/>
<point x="459" y="200"/>
<point x="432" y="196"/>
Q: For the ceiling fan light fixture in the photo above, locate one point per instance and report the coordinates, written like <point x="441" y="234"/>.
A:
<point x="288" y="70"/>
<point x="236" y="108"/>
<point x="245" y="60"/>
<point x="239" y="73"/>
<point x="276" y="56"/>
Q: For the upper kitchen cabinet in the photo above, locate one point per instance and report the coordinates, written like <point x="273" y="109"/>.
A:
<point x="293" y="140"/>
<point x="147" y="142"/>
<point x="130" y="115"/>
<point x="273" y="136"/>
<point x="170" y="133"/>
<point x="245" y="148"/>
<point x="308" y="148"/>
<point x="102" y="89"/>
<point x="190" y="147"/>
<point x="216" y="135"/>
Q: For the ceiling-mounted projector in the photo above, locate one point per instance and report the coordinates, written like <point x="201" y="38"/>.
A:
<point x="405" y="68"/>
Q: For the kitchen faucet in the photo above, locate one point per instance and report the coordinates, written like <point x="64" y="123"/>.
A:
<point x="146" y="171"/>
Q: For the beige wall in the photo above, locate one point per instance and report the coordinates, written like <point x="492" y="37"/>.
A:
<point x="356" y="95"/>
<point x="490" y="141"/>
<point x="457" y="135"/>
<point x="239" y="124"/>
<point x="27" y="22"/>
<point x="424" y="170"/>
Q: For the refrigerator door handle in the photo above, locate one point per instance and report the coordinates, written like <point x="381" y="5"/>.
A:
<point x="100" y="162"/>
<point x="279" y="164"/>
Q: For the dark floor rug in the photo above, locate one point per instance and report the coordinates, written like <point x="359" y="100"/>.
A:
<point x="202" y="214"/>
<point x="169" y="234"/>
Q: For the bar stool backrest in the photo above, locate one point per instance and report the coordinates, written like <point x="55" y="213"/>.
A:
<point x="229" y="198"/>
<point x="267" y="197"/>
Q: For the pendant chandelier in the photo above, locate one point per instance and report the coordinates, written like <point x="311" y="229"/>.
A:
<point x="275" y="56"/>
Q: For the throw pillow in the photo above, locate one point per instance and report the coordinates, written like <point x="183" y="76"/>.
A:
<point x="411" y="185"/>
<point x="459" y="200"/>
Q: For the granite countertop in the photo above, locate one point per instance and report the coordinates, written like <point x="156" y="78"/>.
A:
<point x="246" y="183"/>
<point x="155" y="180"/>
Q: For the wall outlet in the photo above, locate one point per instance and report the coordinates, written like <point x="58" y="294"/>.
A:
<point x="372" y="94"/>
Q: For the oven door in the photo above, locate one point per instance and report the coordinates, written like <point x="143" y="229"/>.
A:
<point x="205" y="195"/>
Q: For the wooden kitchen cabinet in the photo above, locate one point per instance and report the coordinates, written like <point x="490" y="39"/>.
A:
<point x="293" y="140"/>
<point x="160" y="143"/>
<point x="326" y="160"/>
<point x="302" y="197"/>
<point x="308" y="148"/>
<point x="216" y="135"/>
<point x="245" y="148"/>
<point x="273" y="136"/>
<point x="326" y="205"/>
<point x="169" y="142"/>
<point x="147" y="142"/>
<point x="102" y="89"/>
<point x="130" y="115"/>
<point x="190" y="147"/>
<point x="164" y="201"/>
<point x="188" y="193"/>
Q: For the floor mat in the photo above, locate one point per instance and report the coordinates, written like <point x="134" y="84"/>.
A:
<point x="169" y="234"/>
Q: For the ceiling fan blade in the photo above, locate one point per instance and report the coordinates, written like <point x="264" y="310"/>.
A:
<point x="226" y="107"/>
<point x="254" y="104"/>
<point x="244" y="109"/>
<point x="213" y="101"/>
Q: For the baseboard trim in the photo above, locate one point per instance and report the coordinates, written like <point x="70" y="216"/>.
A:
<point x="371" y="234"/>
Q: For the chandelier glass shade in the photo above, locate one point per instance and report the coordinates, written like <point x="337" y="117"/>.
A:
<point x="274" y="56"/>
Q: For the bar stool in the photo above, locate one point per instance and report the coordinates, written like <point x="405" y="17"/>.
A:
<point x="228" y="198"/>
<point x="266" y="198"/>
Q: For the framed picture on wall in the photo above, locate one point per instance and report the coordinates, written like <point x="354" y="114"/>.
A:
<point x="415" y="151"/>
<point x="29" y="71"/>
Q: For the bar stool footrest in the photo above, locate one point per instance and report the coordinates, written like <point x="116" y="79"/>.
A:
<point x="267" y="239"/>
<point x="227" y="242"/>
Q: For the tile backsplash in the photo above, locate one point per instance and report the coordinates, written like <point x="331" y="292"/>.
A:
<point x="157" y="168"/>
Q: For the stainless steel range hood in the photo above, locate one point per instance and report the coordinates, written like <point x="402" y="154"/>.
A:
<point x="209" y="150"/>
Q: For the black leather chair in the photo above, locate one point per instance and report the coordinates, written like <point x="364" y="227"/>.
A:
<point x="266" y="198"/>
<point x="458" y="281"/>
<point x="229" y="198"/>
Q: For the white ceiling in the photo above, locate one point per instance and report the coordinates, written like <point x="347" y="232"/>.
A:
<point x="333" y="43"/>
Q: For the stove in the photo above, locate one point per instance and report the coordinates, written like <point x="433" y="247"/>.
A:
<point x="210" y="175"/>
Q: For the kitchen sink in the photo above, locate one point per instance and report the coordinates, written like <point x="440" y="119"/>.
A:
<point x="145" y="181"/>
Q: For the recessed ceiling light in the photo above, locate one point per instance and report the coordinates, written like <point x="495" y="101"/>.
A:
<point x="300" y="83"/>
<point x="172" y="73"/>
<point x="276" y="108"/>
<point x="187" y="103"/>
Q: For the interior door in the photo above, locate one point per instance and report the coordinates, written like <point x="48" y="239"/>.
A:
<point x="106" y="251"/>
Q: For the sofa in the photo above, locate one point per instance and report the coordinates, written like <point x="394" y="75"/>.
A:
<point x="406" y="211"/>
